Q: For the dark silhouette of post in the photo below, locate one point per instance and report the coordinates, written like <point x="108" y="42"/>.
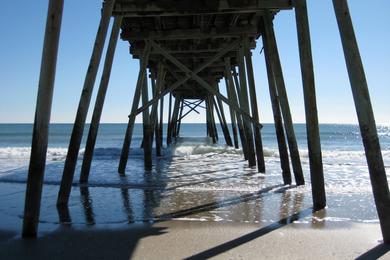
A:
<point x="244" y="103"/>
<point x="147" y="128"/>
<point x="97" y="112"/>
<point x="254" y="108"/>
<point x="137" y="96"/>
<point x="42" y="119"/>
<point x="279" y="129"/>
<point x="309" y="94"/>
<point x="365" y="116"/>
<point x="272" y="51"/>
<point x="81" y="116"/>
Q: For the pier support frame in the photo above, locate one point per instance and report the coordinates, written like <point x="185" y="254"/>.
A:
<point x="147" y="128"/>
<point x="254" y="108"/>
<point x="271" y="49"/>
<point x="97" y="112"/>
<point x="169" y="129"/>
<point x="233" y="85"/>
<point x="309" y="93"/>
<point x="365" y="116"/>
<point x="244" y="103"/>
<point x="81" y="116"/>
<point x="42" y="119"/>
<point x="232" y="115"/>
<point x="137" y="95"/>
<point x="279" y="129"/>
<point x="192" y="74"/>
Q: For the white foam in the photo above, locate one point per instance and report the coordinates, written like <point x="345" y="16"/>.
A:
<point x="53" y="153"/>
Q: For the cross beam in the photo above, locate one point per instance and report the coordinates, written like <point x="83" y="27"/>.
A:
<point x="187" y="77"/>
<point x="202" y="82"/>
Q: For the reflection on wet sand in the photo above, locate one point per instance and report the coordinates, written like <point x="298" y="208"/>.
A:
<point x="127" y="205"/>
<point x="181" y="189"/>
<point x="64" y="215"/>
<point x="86" y="201"/>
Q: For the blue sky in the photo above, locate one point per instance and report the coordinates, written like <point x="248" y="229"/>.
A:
<point x="22" y="26"/>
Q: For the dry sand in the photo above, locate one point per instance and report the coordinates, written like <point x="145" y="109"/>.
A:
<point x="202" y="240"/>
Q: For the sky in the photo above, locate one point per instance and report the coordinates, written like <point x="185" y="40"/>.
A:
<point x="22" y="25"/>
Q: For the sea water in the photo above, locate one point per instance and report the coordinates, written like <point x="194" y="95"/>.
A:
<point x="192" y="180"/>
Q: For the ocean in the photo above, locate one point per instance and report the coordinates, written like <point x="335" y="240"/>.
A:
<point x="193" y="180"/>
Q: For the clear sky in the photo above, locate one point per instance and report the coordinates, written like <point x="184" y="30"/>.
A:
<point x="22" y="26"/>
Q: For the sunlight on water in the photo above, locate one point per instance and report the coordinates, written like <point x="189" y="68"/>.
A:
<point x="194" y="180"/>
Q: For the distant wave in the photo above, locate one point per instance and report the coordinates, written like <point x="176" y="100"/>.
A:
<point x="59" y="153"/>
<point x="179" y="150"/>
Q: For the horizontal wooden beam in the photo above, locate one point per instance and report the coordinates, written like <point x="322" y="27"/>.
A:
<point x="190" y="7"/>
<point x="229" y="32"/>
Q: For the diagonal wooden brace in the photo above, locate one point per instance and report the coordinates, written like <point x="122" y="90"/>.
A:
<point x="187" y="77"/>
<point x="202" y="82"/>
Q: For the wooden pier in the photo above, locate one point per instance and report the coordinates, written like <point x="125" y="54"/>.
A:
<point x="185" y="49"/>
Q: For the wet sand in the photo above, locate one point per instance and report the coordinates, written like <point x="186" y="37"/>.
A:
<point x="113" y="223"/>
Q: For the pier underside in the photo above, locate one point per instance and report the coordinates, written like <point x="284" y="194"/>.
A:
<point x="185" y="49"/>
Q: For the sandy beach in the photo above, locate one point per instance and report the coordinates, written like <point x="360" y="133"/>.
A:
<point x="202" y="240"/>
<point x="84" y="231"/>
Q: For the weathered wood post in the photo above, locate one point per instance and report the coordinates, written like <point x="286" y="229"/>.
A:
<point x="175" y="115"/>
<point x="233" y="85"/>
<point x="154" y="113"/>
<point x="283" y="153"/>
<point x="231" y="111"/>
<point x="81" y="116"/>
<point x="222" y="120"/>
<point x="147" y="128"/>
<point x="365" y="116"/>
<point x="210" y="111"/>
<point x="254" y="108"/>
<point x="97" y="112"/>
<point x="169" y="129"/>
<point x="273" y="53"/>
<point x="208" y="125"/>
<point x="212" y="119"/>
<point x="137" y="95"/>
<point x="179" y="119"/>
<point x="244" y="102"/>
<point x="42" y="119"/>
<point x="159" y="141"/>
<point x="309" y="93"/>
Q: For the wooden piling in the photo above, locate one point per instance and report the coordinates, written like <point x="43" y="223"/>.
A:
<point x="232" y="115"/>
<point x="175" y="115"/>
<point x="159" y="142"/>
<point x="147" y="128"/>
<point x="282" y="146"/>
<point x="169" y="129"/>
<point x="212" y="119"/>
<point x="365" y="116"/>
<point x="42" y="119"/>
<point x="154" y="113"/>
<point x="209" y="111"/>
<point x="272" y="50"/>
<point x="78" y="127"/>
<point x="179" y="119"/>
<point x="136" y="99"/>
<point x="254" y="108"/>
<point x="244" y="102"/>
<point x="234" y="90"/>
<point x="222" y="120"/>
<point x="309" y="93"/>
<point x="97" y="112"/>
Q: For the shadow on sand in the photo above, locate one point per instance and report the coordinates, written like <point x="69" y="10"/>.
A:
<point x="375" y="253"/>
